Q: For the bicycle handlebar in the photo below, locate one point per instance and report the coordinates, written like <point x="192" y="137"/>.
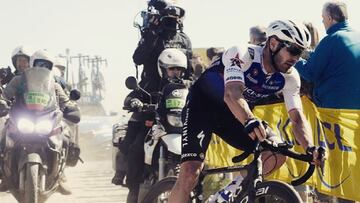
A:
<point x="146" y="108"/>
<point x="283" y="148"/>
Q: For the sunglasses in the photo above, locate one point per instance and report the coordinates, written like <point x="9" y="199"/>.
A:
<point x="292" y="48"/>
<point x="175" y="68"/>
<point x="43" y="63"/>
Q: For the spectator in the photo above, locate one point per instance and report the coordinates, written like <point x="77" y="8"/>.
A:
<point x="307" y="87"/>
<point x="198" y="65"/>
<point x="314" y="35"/>
<point x="257" y="35"/>
<point x="214" y="53"/>
<point x="334" y="65"/>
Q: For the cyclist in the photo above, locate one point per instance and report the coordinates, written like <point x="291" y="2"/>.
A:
<point x="221" y="100"/>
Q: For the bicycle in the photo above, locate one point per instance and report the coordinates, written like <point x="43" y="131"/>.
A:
<point x="252" y="187"/>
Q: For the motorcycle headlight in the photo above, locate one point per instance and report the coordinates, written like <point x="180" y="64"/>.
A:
<point x="43" y="127"/>
<point x="25" y="126"/>
<point x="174" y="120"/>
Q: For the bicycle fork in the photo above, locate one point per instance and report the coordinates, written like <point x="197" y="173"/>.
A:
<point x="252" y="180"/>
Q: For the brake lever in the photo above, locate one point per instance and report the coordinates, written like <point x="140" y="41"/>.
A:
<point x="285" y="145"/>
<point x="321" y="156"/>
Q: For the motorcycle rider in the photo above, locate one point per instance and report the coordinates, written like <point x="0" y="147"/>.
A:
<point x="20" y="58"/>
<point x="70" y="110"/>
<point x="172" y="63"/>
<point x="74" y="148"/>
<point x="59" y="73"/>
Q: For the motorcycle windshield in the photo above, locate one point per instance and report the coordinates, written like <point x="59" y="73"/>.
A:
<point x="39" y="92"/>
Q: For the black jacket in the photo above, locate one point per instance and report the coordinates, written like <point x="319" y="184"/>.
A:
<point x="148" y="51"/>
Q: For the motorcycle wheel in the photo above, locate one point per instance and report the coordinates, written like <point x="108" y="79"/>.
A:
<point x="32" y="181"/>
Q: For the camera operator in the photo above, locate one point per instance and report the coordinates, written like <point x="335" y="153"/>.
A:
<point x="163" y="30"/>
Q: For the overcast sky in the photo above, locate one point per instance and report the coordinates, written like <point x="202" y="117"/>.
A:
<point x="105" y="28"/>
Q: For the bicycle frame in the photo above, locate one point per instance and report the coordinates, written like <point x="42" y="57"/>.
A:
<point x="254" y="169"/>
<point x="252" y="179"/>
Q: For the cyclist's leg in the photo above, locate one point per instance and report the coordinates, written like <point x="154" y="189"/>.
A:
<point x="272" y="161"/>
<point x="195" y="140"/>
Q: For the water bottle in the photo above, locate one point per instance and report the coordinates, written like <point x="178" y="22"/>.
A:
<point x="224" y="195"/>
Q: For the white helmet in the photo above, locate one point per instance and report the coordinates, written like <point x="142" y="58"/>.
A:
<point x="20" y="51"/>
<point x="289" y="31"/>
<point x="60" y="63"/>
<point x="171" y="57"/>
<point x="42" y="58"/>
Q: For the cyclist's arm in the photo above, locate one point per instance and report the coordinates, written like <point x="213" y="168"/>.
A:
<point x="234" y="67"/>
<point x="301" y="127"/>
<point x="234" y="99"/>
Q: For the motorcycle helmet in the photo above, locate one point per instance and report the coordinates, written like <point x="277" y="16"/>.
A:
<point x="60" y="65"/>
<point x="288" y="31"/>
<point x="20" y="51"/>
<point x="42" y="58"/>
<point x="171" y="58"/>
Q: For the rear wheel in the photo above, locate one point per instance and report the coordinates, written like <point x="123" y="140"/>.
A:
<point x="272" y="192"/>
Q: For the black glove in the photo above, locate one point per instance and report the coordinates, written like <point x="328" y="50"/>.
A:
<point x="4" y="108"/>
<point x="321" y="155"/>
<point x="251" y="124"/>
<point x="72" y="113"/>
<point x="320" y="150"/>
<point x="149" y="37"/>
<point x="6" y="75"/>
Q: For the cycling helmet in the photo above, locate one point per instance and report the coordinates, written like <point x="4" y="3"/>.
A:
<point x="20" y="51"/>
<point x="42" y="58"/>
<point x="170" y="58"/>
<point x="289" y="31"/>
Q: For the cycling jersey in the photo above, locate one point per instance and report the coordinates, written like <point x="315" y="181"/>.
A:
<point x="207" y="113"/>
<point x="258" y="83"/>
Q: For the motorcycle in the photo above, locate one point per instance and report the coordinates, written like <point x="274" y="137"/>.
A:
<point x="36" y="140"/>
<point x="162" y="144"/>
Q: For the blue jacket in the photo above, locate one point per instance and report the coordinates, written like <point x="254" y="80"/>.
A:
<point x="334" y="68"/>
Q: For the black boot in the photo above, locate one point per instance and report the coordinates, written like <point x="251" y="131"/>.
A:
<point x="133" y="194"/>
<point x="73" y="155"/>
<point x="118" y="178"/>
<point x="3" y="186"/>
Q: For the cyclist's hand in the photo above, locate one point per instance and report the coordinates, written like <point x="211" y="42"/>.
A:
<point x="318" y="155"/>
<point x="255" y="129"/>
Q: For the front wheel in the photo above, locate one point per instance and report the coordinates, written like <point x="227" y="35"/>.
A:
<point x="160" y="191"/>
<point x="272" y="192"/>
<point x="31" y="194"/>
